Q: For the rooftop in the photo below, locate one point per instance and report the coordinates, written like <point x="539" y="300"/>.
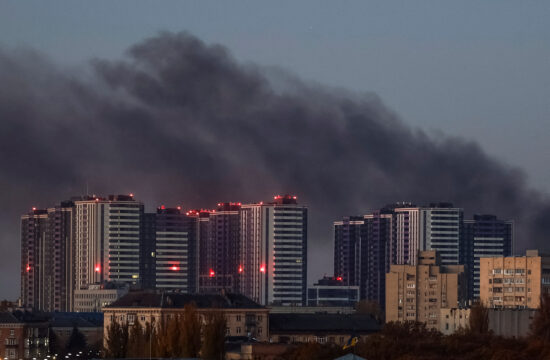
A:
<point x="333" y="323"/>
<point x="177" y="300"/>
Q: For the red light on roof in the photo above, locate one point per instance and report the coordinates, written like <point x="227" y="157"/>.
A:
<point x="175" y="268"/>
<point x="295" y="197"/>
<point x="28" y="268"/>
<point x="262" y="268"/>
<point x="162" y="207"/>
<point x="33" y="209"/>
<point x="97" y="268"/>
<point x="241" y="269"/>
<point x="261" y="202"/>
<point x="212" y="273"/>
<point x="179" y="207"/>
<point x="339" y="278"/>
<point x="131" y="195"/>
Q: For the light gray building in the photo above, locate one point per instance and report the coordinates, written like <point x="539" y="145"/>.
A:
<point x="96" y="296"/>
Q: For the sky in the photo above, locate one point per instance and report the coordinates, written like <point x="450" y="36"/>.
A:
<point x="480" y="71"/>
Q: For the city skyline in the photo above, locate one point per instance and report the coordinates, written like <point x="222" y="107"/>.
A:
<point x="213" y="122"/>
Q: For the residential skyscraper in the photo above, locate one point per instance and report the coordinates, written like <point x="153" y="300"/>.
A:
<point x="272" y="265"/>
<point x="219" y="243"/>
<point x="485" y="236"/>
<point x="348" y="234"/>
<point x="175" y="250"/>
<point x="34" y="281"/>
<point x="107" y="240"/>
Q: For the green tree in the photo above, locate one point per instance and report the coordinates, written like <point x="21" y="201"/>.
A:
<point x="214" y="336"/>
<point x="77" y="341"/>
<point x="191" y="332"/>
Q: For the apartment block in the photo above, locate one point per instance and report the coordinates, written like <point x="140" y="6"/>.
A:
<point x="514" y="281"/>
<point x="419" y="292"/>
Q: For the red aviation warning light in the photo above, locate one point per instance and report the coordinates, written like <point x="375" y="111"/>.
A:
<point x="339" y="278"/>
<point x="28" y="268"/>
<point x="212" y="273"/>
<point x="262" y="268"/>
<point x="240" y="269"/>
<point x="97" y="268"/>
<point x="175" y="268"/>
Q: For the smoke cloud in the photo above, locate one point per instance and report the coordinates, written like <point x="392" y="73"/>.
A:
<point x="178" y="121"/>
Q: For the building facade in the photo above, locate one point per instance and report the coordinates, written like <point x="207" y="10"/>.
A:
<point x="244" y="317"/>
<point x="97" y="296"/>
<point x="418" y="293"/>
<point x="485" y="236"/>
<point x="23" y="336"/>
<point x="272" y="266"/>
<point x="514" y="281"/>
<point x="332" y="292"/>
<point x="107" y="240"/>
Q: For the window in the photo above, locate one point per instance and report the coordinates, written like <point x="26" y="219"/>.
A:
<point x="12" y="332"/>
<point x="260" y="330"/>
<point x="239" y="318"/>
<point x="238" y="330"/>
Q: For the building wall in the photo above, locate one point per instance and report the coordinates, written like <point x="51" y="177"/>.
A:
<point x="453" y="319"/>
<point x="511" y="322"/>
<point x="485" y="236"/>
<point x="23" y="341"/>
<point x="313" y="336"/>
<point x="417" y="293"/>
<point x="515" y="281"/>
<point x="94" y="299"/>
<point x="240" y="322"/>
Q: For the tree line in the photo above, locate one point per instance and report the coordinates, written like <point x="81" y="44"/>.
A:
<point x="178" y="336"/>
<point x="414" y="341"/>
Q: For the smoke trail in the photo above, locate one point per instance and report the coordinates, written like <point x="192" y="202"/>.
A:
<point x="179" y="121"/>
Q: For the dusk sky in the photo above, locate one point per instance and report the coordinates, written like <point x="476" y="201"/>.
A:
<point x="476" y="71"/>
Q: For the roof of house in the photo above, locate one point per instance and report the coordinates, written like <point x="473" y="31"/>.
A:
<point x="325" y="323"/>
<point x="80" y="320"/>
<point x="177" y="300"/>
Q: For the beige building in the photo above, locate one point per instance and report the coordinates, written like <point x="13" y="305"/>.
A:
<point x="418" y="293"/>
<point x="244" y="317"/>
<point x="515" y="281"/>
<point x="451" y="320"/>
<point x="95" y="297"/>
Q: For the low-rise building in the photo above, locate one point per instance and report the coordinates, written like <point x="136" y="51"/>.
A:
<point x="295" y="328"/>
<point x="514" y="281"/>
<point x="89" y="324"/>
<point x="244" y="317"/>
<point x="96" y="296"/>
<point x="511" y="322"/>
<point x="330" y="291"/>
<point x="23" y="335"/>
<point x="451" y="320"/>
<point x="419" y="292"/>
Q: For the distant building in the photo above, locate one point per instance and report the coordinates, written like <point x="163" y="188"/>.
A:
<point x="511" y="322"/>
<point x="23" y="336"/>
<point x="97" y="296"/>
<point x="330" y="292"/>
<point x="89" y="324"/>
<point x="453" y="319"/>
<point x="244" y="317"/>
<point x="292" y="328"/>
<point x="107" y="240"/>
<point x="175" y="250"/>
<point x="514" y="281"/>
<point x="418" y="293"/>
<point x="219" y="244"/>
<point x="272" y="265"/>
<point x="485" y="236"/>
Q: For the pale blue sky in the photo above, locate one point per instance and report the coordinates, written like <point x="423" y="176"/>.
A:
<point x="475" y="69"/>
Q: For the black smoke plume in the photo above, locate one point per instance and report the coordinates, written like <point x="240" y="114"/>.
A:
<point x="181" y="122"/>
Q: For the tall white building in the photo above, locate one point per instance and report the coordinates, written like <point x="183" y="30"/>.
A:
<point x="434" y="227"/>
<point x="273" y="252"/>
<point x="107" y="240"/>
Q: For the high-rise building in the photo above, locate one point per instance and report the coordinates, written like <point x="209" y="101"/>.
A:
<point x="219" y="248"/>
<point x="175" y="250"/>
<point x="377" y="251"/>
<point x="442" y="230"/>
<point x="332" y="292"/>
<point x="272" y="266"/>
<point x="514" y="281"/>
<point x="107" y="240"/>
<point x="485" y="236"/>
<point x="35" y="284"/>
<point x="147" y="262"/>
<point x="419" y="292"/>
<point x="60" y="266"/>
<point x="348" y="235"/>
